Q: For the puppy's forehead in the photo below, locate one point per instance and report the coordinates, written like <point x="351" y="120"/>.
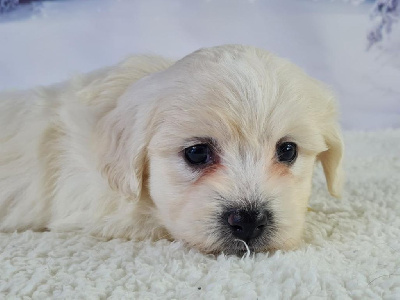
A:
<point x="239" y="92"/>
<point x="245" y="94"/>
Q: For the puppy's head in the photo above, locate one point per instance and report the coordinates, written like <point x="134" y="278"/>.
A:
<point x="225" y="142"/>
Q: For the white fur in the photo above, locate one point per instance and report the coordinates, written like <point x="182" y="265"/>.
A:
<point x="102" y="153"/>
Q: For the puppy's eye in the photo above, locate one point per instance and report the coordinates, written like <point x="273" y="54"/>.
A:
<point x="286" y="152"/>
<point x="199" y="154"/>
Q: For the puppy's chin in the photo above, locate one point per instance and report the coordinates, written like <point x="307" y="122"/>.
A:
<point x="238" y="247"/>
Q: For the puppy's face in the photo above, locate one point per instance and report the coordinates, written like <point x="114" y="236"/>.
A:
<point x="234" y="139"/>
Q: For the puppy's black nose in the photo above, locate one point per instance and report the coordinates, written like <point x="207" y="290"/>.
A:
<point x="246" y="225"/>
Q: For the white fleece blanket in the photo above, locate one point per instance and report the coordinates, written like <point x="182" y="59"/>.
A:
<point x="351" y="250"/>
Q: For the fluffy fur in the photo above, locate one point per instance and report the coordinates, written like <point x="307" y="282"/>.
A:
<point x="102" y="153"/>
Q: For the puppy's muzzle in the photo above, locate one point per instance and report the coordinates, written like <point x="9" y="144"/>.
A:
<point x="246" y="225"/>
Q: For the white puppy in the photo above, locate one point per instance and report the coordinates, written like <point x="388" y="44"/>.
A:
<point x="215" y="149"/>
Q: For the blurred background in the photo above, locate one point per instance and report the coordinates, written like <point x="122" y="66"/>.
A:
<point x="353" y="46"/>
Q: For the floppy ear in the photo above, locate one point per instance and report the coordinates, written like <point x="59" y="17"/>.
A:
<point x="123" y="136"/>
<point x="122" y="152"/>
<point x="331" y="160"/>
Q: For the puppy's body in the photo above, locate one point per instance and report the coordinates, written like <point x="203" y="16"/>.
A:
<point x="49" y="169"/>
<point x="104" y="153"/>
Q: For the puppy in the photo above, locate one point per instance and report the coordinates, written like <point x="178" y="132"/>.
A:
<point x="217" y="150"/>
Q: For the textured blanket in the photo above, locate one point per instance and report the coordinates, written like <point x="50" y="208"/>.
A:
<point x="351" y="250"/>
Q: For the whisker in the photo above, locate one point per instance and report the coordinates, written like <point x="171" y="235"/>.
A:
<point x="248" y="252"/>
